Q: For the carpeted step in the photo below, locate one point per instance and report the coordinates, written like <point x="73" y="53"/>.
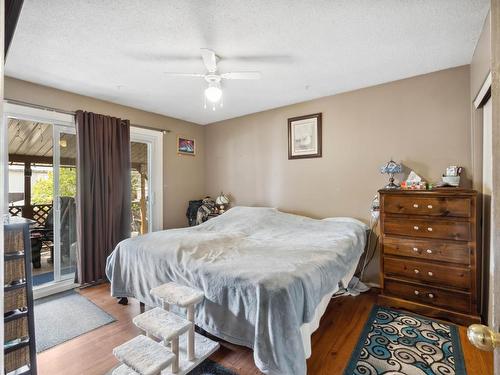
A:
<point x="176" y="294"/>
<point x="162" y="324"/>
<point x="124" y="370"/>
<point x="144" y="355"/>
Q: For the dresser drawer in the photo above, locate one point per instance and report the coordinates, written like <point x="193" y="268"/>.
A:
<point x="429" y="206"/>
<point x="442" y="275"/>
<point x="428" y="295"/>
<point x="453" y="252"/>
<point x="444" y="229"/>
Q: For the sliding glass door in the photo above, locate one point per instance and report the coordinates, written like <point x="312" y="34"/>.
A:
<point x="146" y="176"/>
<point x="42" y="185"/>
<point x="41" y="180"/>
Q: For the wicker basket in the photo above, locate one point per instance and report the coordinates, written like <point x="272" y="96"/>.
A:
<point x="16" y="329"/>
<point x="13" y="241"/>
<point x="14" y="299"/>
<point x="16" y="359"/>
<point x="14" y="271"/>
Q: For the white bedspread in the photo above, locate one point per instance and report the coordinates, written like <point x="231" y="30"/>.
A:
<point x="263" y="272"/>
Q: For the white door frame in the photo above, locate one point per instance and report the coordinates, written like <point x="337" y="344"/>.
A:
<point x="154" y="139"/>
<point x="3" y="164"/>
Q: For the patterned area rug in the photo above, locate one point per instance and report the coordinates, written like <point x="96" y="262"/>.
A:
<point x="396" y="342"/>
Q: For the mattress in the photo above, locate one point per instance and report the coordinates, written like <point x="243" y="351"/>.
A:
<point x="307" y="329"/>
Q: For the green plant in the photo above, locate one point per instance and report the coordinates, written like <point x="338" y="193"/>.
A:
<point x="42" y="191"/>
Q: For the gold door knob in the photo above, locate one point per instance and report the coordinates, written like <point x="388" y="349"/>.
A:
<point x="483" y="337"/>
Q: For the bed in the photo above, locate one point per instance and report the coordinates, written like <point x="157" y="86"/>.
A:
<point x="267" y="276"/>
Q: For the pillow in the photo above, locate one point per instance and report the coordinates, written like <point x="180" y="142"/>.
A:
<point x="348" y="220"/>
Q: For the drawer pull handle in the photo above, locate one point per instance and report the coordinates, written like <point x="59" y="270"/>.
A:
<point x="415" y="205"/>
<point x="415" y="227"/>
<point x="429" y="251"/>
<point x="429" y="206"/>
<point x="415" y="249"/>
<point x="429" y="229"/>
<point x="430" y="273"/>
<point x="431" y="295"/>
<point x="416" y="271"/>
<point x="417" y="292"/>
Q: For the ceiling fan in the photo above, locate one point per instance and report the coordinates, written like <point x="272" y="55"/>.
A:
<point x="213" y="93"/>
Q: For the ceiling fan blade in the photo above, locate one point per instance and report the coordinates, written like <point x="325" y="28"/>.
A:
<point x="155" y="57"/>
<point x="275" y="59"/>
<point x="241" y="75"/>
<point x="185" y="74"/>
<point x="209" y="59"/>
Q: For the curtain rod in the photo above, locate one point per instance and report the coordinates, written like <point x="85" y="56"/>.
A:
<point x="72" y="113"/>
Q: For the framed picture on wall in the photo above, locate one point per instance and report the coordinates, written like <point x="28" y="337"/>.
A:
<point x="186" y="146"/>
<point x="304" y="137"/>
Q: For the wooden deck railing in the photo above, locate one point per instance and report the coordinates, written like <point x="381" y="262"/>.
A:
<point x="37" y="212"/>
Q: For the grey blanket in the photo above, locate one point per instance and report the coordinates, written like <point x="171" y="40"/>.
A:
<point x="263" y="273"/>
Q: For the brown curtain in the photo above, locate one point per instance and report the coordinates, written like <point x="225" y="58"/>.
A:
<point x="103" y="191"/>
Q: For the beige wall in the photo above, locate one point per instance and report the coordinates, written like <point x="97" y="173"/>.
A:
<point x="423" y="122"/>
<point x="184" y="176"/>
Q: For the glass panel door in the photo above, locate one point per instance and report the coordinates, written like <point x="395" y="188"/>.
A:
<point x="146" y="172"/>
<point x="31" y="193"/>
<point x="65" y="188"/>
<point x="140" y="187"/>
<point x="41" y="148"/>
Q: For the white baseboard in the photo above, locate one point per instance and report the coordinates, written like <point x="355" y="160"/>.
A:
<point x="373" y="285"/>
<point x="54" y="288"/>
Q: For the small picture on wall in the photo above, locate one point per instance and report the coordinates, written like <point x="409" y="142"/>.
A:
<point x="304" y="137"/>
<point x="186" y="146"/>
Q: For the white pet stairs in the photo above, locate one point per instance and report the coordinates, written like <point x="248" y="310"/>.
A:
<point x="181" y="349"/>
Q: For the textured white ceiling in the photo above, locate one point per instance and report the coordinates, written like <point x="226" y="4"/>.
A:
<point x="118" y="50"/>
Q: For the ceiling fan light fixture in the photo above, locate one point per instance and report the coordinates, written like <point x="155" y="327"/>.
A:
<point x="213" y="92"/>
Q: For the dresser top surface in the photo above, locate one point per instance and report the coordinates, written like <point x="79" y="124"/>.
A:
<point x="432" y="192"/>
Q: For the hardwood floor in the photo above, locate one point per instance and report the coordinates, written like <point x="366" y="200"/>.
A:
<point x="332" y="343"/>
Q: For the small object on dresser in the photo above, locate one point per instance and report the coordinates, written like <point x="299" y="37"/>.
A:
<point x="414" y="182"/>
<point x="222" y="201"/>
<point x="451" y="178"/>
<point x="391" y="168"/>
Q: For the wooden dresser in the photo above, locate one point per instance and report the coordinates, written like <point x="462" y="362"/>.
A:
<point x="430" y="254"/>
